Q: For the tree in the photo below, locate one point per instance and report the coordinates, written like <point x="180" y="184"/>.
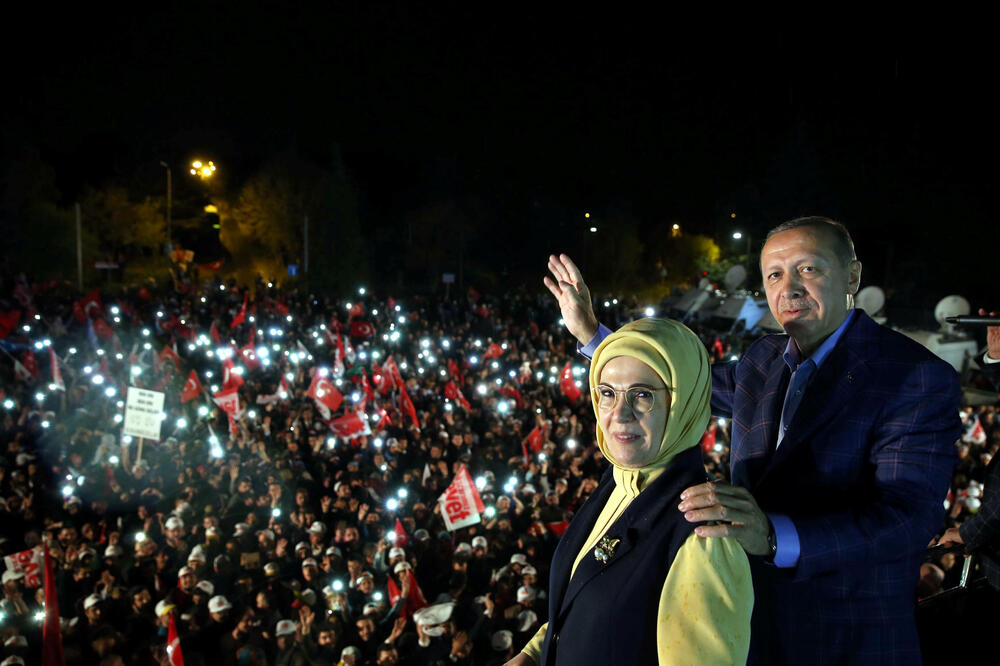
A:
<point x="121" y="224"/>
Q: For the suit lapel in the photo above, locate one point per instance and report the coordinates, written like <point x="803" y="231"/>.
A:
<point x="842" y="375"/>
<point x="589" y="567"/>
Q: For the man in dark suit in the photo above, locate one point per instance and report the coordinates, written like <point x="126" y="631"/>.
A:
<point x="843" y="437"/>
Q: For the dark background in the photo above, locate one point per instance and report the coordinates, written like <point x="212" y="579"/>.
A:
<point x="530" y="120"/>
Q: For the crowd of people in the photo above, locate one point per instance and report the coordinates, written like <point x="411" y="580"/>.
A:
<point x="301" y="524"/>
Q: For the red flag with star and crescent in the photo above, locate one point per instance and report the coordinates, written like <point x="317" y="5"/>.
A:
<point x="192" y="388"/>
<point x="56" y="372"/>
<point x="241" y="315"/>
<point x="568" y="385"/>
<point x="326" y="396"/>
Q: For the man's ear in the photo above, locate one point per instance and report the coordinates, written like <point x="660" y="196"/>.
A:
<point x="854" y="277"/>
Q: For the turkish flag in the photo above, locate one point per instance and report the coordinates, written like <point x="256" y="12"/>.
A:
<point x="392" y="370"/>
<point x="30" y="363"/>
<point x="402" y="540"/>
<point x="102" y="329"/>
<point x="357" y="310"/>
<point x="568" y="385"/>
<point x="242" y="314"/>
<point x="56" y="373"/>
<point x="169" y="353"/>
<point x="230" y="378"/>
<point x="214" y="332"/>
<point x="349" y="426"/>
<point x="515" y="394"/>
<point x="174" y="654"/>
<point x="228" y="400"/>
<point x="455" y="371"/>
<point x="212" y="266"/>
<point x="384" y="420"/>
<point x="535" y="439"/>
<point x="328" y="399"/>
<point x="452" y="392"/>
<point x="558" y="528"/>
<point x="413" y="602"/>
<point x="249" y="355"/>
<point x="362" y="329"/>
<point x="8" y="322"/>
<point x="52" y="651"/>
<point x="407" y="406"/>
<point x="708" y="439"/>
<point x="192" y="388"/>
<point x="494" y="351"/>
<point x="88" y="306"/>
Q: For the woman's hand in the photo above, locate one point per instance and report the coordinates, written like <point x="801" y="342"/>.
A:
<point x="521" y="659"/>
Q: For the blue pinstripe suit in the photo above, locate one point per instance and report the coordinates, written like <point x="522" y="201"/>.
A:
<point x="862" y="471"/>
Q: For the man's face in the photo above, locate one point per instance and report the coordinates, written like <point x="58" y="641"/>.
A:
<point x="388" y="657"/>
<point x="366" y="629"/>
<point x="325" y="638"/>
<point x="141" y="600"/>
<point x="806" y="284"/>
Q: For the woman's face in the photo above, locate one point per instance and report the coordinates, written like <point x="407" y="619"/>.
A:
<point x="633" y="439"/>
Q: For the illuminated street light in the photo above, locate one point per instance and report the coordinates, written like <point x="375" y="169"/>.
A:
<point x="203" y="169"/>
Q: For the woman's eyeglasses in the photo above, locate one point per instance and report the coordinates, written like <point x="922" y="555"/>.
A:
<point x="640" y="399"/>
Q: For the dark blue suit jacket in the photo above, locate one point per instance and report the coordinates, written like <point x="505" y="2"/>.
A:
<point x="862" y="471"/>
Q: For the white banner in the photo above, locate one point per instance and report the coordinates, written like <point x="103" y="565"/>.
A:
<point x="461" y="504"/>
<point x="29" y="562"/>
<point x="142" y="413"/>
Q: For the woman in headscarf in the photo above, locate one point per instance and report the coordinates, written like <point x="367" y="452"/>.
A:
<point x="630" y="582"/>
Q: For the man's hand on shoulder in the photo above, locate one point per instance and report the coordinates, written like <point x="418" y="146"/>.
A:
<point x="735" y="510"/>
<point x="573" y="296"/>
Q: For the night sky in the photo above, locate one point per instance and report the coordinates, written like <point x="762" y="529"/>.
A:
<point x="890" y="130"/>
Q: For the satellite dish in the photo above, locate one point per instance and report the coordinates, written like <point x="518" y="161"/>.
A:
<point x="951" y="306"/>
<point x="735" y="276"/>
<point x="871" y="299"/>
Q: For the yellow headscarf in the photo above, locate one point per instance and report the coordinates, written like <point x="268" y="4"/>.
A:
<point x="681" y="360"/>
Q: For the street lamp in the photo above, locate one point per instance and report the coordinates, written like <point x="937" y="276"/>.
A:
<point x="737" y="235"/>
<point x="203" y="169"/>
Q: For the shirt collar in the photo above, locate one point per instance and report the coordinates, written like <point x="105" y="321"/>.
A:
<point x="793" y="356"/>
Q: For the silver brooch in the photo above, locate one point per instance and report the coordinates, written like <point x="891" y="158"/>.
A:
<point x="605" y="549"/>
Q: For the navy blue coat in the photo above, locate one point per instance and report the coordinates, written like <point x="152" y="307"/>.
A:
<point x="607" y="613"/>
<point x="863" y="470"/>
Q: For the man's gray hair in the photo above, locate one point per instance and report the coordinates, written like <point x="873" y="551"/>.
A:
<point x="843" y="245"/>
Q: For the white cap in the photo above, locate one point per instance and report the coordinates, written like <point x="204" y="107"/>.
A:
<point x="519" y="558"/>
<point x="271" y="569"/>
<point x="364" y="574"/>
<point x="206" y="587"/>
<point x="370" y="607"/>
<point x="526" y="619"/>
<point x="309" y="562"/>
<point x="84" y="552"/>
<point x="12" y="660"/>
<point x="436" y="614"/>
<point x="16" y="641"/>
<point x="11" y="575"/>
<point x="268" y="533"/>
<point x="317" y="528"/>
<point x="197" y="554"/>
<point x="113" y="551"/>
<point x="218" y="604"/>
<point x="301" y="545"/>
<point x="183" y="571"/>
<point x="502" y="640"/>
<point x="240" y="529"/>
<point x="400" y="566"/>
<point x="333" y="550"/>
<point x="396" y="551"/>
<point x="211" y="531"/>
<point x="173" y="522"/>
<point x="463" y="547"/>
<point x="163" y="607"/>
<point x="480" y="542"/>
<point x="528" y="570"/>
<point x="285" y="627"/>
<point x="91" y="601"/>
<point x="525" y="593"/>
